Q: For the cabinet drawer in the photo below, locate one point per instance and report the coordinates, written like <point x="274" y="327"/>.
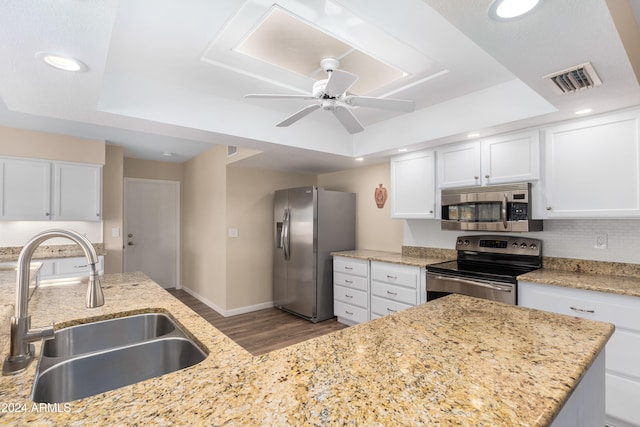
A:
<point x="623" y="353"/>
<point x="394" y="293"/>
<point x="350" y="281"/>
<point x="351" y="296"/>
<point x="383" y="306"/>
<point x="71" y="266"/>
<point x="354" y="266"/>
<point x="397" y="274"/>
<point x="350" y="312"/>
<point x="622" y="400"/>
<point x="623" y="311"/>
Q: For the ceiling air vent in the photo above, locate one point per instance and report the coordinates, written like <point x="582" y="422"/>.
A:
<point x="232" y="150"/>
<point x="574" y="79"/>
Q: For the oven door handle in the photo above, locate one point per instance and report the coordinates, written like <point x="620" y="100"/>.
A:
<point x="483" y="284"/>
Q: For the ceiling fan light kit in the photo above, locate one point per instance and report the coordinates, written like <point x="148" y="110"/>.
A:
<point x="331" y="95"/>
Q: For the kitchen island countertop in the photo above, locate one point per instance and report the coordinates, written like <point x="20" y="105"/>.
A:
<point x="454" y="361"/>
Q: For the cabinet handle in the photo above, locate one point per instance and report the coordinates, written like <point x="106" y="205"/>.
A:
<point x="348" y="296"/>
<point x="97" y="214"/>
<point x="486" y="176"/>
<point x="47" y="214"/>
<point x="348" y="312"/>
<point x="389" y="310"/>
<point x="348" y="268"/>
<point x="582" y="310"/>
<point x="476" y="177"/>
<point x="81" y="266"/>
<point x="430" y="212"/>
<point x="392" y="277"/>
<point x="348" y="281"/>
<point x="548" y="208"/>
<point x="392" y="293"/>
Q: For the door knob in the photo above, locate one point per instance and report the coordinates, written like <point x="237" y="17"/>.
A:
<point x="130" y="243"/>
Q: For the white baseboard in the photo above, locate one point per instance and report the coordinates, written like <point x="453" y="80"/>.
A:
<point x="228" y="313"/>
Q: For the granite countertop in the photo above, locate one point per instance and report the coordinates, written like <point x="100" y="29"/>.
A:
<point x="453" y="361"/>
<point x="11" y="253"/>
<point x="621" y="285"/>
<point x="406" y="257"/>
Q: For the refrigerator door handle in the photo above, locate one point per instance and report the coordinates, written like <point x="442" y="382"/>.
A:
<point x="285" y="233"/>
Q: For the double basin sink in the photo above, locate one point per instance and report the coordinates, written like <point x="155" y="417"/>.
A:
<point x="89" y="359"/>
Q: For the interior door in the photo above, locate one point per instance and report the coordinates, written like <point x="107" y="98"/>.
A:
<point x="152" y="229"/>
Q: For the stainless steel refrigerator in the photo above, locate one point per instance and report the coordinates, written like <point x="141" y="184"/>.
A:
<point x="309" y="224"/>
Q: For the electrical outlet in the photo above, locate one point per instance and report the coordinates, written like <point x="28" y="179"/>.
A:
<point x="601" y="241"/>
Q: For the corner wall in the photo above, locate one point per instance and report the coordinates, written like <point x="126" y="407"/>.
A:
<point x="112" y="208"/>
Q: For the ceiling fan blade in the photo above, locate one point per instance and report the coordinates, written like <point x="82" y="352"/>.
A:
<point x="297" y="116"/>
<point x="348" y="120"/>
<point x="278" y="96"/>
<point x="383" y="103"/>
<point x="339" y="82"/>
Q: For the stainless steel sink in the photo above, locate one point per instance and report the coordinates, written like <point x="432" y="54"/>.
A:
<point x="102" y="356"/>
<point x="108" y="334"/>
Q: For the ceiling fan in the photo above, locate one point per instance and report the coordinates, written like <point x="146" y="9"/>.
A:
<point x="331" y="94"/>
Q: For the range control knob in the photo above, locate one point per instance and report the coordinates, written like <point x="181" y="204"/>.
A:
<point x="533" y="246"/>
<point x="466" y="242"/>
<point x="523" y="245"/>
<point x="514" y="245"/>
<point x="459" y="241"/>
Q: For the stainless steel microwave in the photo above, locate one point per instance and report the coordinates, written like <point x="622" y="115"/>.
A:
<point x="489" y="208"/>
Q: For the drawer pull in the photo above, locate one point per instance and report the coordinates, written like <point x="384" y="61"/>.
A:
<point x="81" y="266"/>
<point x="389" y="310"/>
<point x="348" y="281"/>
<point x="582" y="310"/>
<point x="392" y="293"/>
<point x="348" y="312"/>
<point x="346" y="267"/>
<point x="392" y="277"/>
<point x="348" y="296"/>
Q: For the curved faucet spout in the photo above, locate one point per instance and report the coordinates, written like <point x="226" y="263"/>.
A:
<point x="21" y="352"/>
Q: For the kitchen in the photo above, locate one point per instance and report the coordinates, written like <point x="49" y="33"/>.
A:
<point x="235" y="190"/>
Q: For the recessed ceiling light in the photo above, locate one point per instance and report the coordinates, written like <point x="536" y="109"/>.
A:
<point x="583" y="111"/>
<point x="504" y="10"/>
<point x="359" y="159"/>
<point x="473" y="135"/>
<point x="167" y="154"/>
<point x="402" y="150"/>
<point x="61" y="62"/>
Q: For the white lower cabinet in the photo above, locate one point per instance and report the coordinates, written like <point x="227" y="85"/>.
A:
<point x="61" y="268"/>
<point x="394" y="287"/>
<point x="351" y="290"/>
<point x="364" y="290"/>
<point x="623" y="349"/>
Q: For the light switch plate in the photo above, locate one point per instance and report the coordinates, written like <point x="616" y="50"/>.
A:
<point x="233" y="232"/>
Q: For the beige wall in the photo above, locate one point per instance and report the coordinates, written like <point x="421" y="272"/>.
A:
<point x="374" y="227"/>
<point x="151" y="169"/>
<point x="50" y="146"/>
<point x="112" y="208"/>
<point x="204" y="257"/>
<point x="250" y="210"/>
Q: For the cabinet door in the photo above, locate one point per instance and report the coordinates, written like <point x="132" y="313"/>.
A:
<point x="459" y="165"/>
<point x="592" y="168"/>
<point x="511" y="158"/>
<point x="413" y="185"/>
<point x="26" y="190"/>
<point x="77" y="195"/>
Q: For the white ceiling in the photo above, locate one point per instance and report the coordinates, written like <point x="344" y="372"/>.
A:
<point x="163" y="75"/>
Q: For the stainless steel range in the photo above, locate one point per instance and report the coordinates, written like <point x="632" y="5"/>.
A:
<point x="486" y="267"/>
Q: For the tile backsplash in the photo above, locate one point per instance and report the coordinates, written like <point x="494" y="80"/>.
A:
<point x="561" y="238"/>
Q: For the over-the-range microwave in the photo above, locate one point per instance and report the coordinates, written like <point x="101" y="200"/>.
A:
<point x="489" y="208"/>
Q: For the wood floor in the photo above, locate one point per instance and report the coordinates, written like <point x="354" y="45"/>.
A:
<point x="260" y="331"/>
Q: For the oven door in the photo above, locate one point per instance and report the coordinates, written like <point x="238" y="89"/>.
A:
<point x="441" y="284"/>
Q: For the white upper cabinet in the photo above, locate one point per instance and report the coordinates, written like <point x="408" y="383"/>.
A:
<point x="76" y="192"/>
<point x="459" y="165"/>
<point x="592" y="168"/>
<point x="26" y="190"/>
<point x="497" y="160"/>
<point x="40" y="190"/>
<point x="413" y="185"/>
<point x="511" y="158"/>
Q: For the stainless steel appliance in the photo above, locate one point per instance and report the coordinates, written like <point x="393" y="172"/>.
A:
<point x="486" y="267"/>
<point x="309" y="224"/>
<point x="489" y="208"/>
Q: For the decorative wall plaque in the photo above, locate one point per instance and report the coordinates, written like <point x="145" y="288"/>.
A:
<point x="380" y="196"/>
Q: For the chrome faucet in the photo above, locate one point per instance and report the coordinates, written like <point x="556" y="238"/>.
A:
<point x="21" y="353"/>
